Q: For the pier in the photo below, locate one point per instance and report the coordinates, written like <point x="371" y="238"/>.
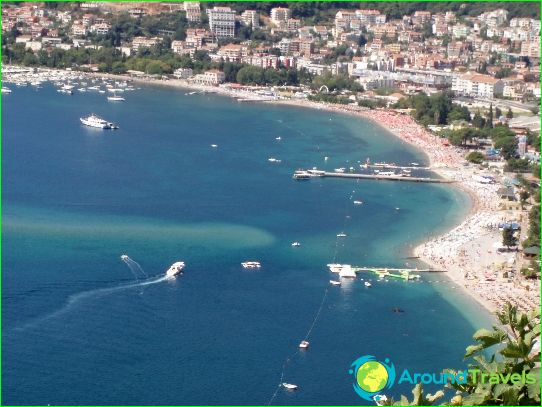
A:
<point x="384" y="177"/>
<point x="397" y="270"/>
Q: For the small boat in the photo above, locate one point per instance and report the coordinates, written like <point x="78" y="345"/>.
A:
<point x="251" y="264"/>
<point x="6" y="90"/>
<point x="278" y="138"/>
<point x="334" y="282"/>
<point x="415" y="164"/>
<point x="101" y="91"/>
<point x="397" y="208"/>
<point x="367" y="284"/>
<point x="115" y="98"/>
<point x="358" y="202"/>
<point x="175" y="269"/>
<point x="81" y="90"/>
<point x="65" y="91"/>
<point x="326" y="158"/>
<point x="214" y="145"/>
<point x="296" y="244"/>
<point x="340" y="170"/>
<point x="273" y="160"/>
<point x="304" y="344"/>
<point x="124" y="257"/>
<point x="289" y="386"/>
<point x="342" y="234"/>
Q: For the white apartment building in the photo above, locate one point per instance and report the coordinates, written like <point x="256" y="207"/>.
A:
<point x="280" y="15"/>
<point x="193" y="11"/>
<point x="210" y="78"/>
<point x="477" y="85"/>
<point x="222" y="21"/>
<point x="251" y="18"/>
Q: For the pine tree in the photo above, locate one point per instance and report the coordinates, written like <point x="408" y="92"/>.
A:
<point x="490" y="117"/>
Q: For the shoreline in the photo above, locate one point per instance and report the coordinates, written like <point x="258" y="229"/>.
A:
<point x="458" y="249"/>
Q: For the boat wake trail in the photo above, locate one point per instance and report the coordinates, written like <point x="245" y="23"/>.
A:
<point x="76" y="299"/>
<point x="134" y="266"/>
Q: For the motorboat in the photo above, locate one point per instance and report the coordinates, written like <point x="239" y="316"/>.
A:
<point x="273" y="160"/>
<point x="367" y="284"/>
<point x="214" y="145"/>
<point x="334" y="282"/>
<point x="175" y="269"/>
<point x="6" y="90"/>
<point x="278" y="138"/>
<point x="340" y="170"/>
<point x="358" y="202"/>
<point x="304" y="344"/>
<point x="342" y="234"/>
<point x="289" y="386"/>
<point x="251" y="264"/>
<point x="296" y="244"/>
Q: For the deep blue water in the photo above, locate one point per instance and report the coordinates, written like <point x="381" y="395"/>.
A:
<point x="74" y="199"/>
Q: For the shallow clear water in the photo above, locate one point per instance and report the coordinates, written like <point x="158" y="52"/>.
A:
<point x="77" y="329"/>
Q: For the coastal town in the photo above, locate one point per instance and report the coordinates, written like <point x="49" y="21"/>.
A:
<point x="461" y="82"/>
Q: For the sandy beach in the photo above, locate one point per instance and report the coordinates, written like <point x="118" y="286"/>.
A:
<point x="468" y="251"/>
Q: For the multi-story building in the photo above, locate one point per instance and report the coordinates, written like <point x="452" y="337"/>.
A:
<point x="210" y="78"/>
<point x="477" y="85"/>
<point x="280" y="15"/>
<point x="144" y="42"/>
<point x="251" y="18"/>
<point x="222" y="21"/>
<point x="193" y="11"/>
<point x="531" y="48"/>
<point x="100" y="29"/>
<point x="79" y="29"/>
<point x="370" y="17"/>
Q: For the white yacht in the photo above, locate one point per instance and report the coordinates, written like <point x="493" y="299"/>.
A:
<point x="334" y="282"/>
<point x="6" y="90"/>
<point x="358" y="202"/>
<point x="367" y="284"/>
<point x="95" y="121"/>
<point x="340" y="170"/>
<point x="296" y="244"/>
<point x="273" y="160"/>
<point x="251" y="264"/>
<point x="304" y="344"/>
<point x="214" y="145"/>
<point x="289" y="386"/>
<point x="175" y="269"/>
<point x="342" y="234"/>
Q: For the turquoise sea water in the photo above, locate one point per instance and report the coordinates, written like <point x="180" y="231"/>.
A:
<point x="79" y="327"/>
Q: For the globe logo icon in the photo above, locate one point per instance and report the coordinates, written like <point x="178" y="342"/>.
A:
<point x="372" y="376"/>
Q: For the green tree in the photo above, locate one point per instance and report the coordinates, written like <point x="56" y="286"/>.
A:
<point x="490" y="116"/>
<point x="509" y="114"/>
<point x="475" y="157"/>
<point x="498" y="112"/>
<point x="478" y="121"/>
<point x="508" y="238"/>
